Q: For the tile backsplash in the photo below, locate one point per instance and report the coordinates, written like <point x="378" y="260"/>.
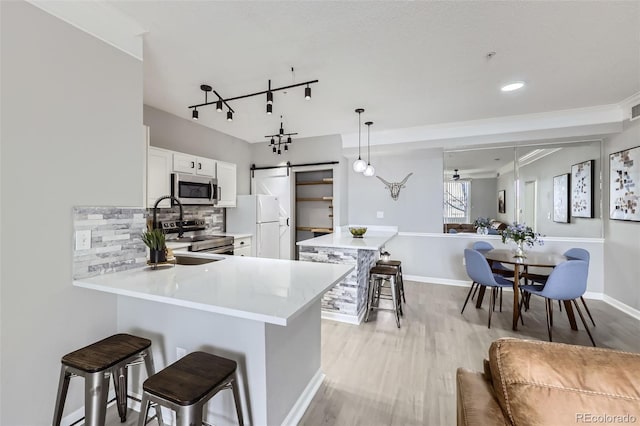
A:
<point x="115" y="235"/>
<point x="115" y="240"/>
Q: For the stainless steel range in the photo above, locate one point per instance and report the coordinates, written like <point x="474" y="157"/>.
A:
<point x="215" y="244"/>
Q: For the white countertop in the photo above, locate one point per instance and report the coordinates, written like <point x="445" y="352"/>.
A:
<point x="372" y="240"/>
<point x="267" y="290"/>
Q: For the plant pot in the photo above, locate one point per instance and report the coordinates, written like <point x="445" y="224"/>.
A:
<point x="158" y="256"/>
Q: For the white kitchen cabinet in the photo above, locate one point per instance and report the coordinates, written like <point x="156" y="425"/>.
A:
<point x="159" y="164"/>
<point x="242" y="246"/>
<point x="226" y="175"/>
<point x="185" y="163"/>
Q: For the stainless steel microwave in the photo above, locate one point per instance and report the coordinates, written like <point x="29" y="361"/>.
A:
<point x="193" y="189"/>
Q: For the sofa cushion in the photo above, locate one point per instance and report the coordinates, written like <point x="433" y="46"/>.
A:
<point x="476" y="402"/>
<point x="543" y="383"/>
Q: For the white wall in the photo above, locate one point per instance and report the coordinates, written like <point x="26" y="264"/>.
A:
<point x="71" y="135"/>
<point x="622" y="239"/>
<point x="438" y="257"/>
<point x="419" y="206"/>
<point x="184" y="135"/>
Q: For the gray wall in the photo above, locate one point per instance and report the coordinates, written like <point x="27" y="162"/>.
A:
<point x="77" y="138"/>
<point x="484" y="198"/>
<point x="622" y="239"/>
<point x="419" y="206"/>
<point x="304" y="150"/>
<point x="184" y="135"/>
<point x="543" y="171"/>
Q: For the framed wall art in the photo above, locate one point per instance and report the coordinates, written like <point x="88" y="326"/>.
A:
<point x="502" y="207"/>
<point x="582" y="189"/>
<point x="624" y="181"/>
<point x="561" y="198"/>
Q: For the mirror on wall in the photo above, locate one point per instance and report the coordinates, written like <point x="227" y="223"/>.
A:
<point x="554" y="188"/>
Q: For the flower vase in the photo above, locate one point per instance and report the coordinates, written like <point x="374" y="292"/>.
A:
<point x="519" y="249"/>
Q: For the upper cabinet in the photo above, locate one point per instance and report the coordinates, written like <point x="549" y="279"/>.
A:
<point x="185" y="163"/>
<point x="226" y="174"/>
<point x="159" y="167"/>
<point x="162" y="162"/>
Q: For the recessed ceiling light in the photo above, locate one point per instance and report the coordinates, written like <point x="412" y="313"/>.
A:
<point x="512" y="86"/>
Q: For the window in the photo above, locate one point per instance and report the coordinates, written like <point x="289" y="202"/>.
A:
<point x="456" y="202"/>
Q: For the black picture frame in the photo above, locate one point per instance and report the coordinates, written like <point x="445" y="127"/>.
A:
<point x="582" y="189"/>
<point x="624" y="185"/>
<point x="502" y="201"/>
<point x="561" y="196"/>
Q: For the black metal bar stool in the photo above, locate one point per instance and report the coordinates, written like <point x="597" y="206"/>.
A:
<point x="377" y="277"/>
<point x="97" y="363"/>
<point x="188" y="384"/>
<point x="398" y="265"/>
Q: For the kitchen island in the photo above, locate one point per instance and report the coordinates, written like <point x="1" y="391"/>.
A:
<point x="263" y="313"/>
<point x="347" y="300"/>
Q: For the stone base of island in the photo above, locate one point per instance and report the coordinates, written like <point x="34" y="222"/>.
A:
<point x="262" y="313"/>
<point x="347" y="300"/>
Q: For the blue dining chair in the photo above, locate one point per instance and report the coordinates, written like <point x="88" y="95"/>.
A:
<point x="575" y="253"/>
<point x="480" y="272"/>
<point x="568" y="281"/>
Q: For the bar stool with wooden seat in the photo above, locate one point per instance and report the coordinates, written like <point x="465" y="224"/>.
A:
<point x="377" y="277"/>
<point x="188" y="384"/>
<point x="97" y="363"/>
<point x="398" y="265"/>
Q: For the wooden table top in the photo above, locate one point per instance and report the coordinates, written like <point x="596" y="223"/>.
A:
<point x="532" y="258"/>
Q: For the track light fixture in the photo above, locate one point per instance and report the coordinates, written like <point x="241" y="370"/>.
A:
<point x="194" y="114"/>
<point x="229" y="115"/>
<point x="283" y="139"/>
<point x="269" y="92"/>
<point x="369" y="171"/>
<point x="359" y="165"/>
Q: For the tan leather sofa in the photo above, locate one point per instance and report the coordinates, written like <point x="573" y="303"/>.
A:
<point x="542" y="383"/>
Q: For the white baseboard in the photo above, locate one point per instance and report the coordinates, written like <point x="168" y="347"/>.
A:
<point x="622" y="307"/>
<point x="434" y="280"/>
<point x="349" y="319"/>
<point x="588" y="295"/>
<point x="299" y="408"/>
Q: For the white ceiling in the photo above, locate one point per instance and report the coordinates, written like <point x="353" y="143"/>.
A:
<point x="407" y="63"/>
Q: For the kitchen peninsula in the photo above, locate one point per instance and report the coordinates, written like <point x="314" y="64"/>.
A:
<point x="263" y="313"/>
<point x="347" y="300"/>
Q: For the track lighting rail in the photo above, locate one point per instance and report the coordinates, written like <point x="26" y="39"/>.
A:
<point x="235" y="98"/>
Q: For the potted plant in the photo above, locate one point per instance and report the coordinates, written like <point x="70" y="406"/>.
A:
<point x="155" y="240"/>
<point x="522" y="235"/>
<point x="482" y="225"/>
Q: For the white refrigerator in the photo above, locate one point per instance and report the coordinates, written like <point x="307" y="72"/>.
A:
<point x="257" y="215"/>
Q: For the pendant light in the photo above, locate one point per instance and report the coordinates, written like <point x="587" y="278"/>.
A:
<point x="359" y="165"/>
<point x="369" y="171"/>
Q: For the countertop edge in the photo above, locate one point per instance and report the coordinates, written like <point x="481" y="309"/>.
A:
<point x="188" y="304"/>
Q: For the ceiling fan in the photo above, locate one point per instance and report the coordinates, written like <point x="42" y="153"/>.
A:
<point x="456" y="175"/>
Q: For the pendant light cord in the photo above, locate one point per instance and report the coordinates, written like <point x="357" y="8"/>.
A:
<point x="368" y="144"/>
<point x="359" y="126"/>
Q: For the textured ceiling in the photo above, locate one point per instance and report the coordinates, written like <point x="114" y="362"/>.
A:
<point x="407" y="63"/>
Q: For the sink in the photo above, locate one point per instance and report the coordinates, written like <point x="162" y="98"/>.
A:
<point x="188" y="260"/>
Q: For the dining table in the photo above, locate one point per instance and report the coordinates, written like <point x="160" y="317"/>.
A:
<point x="520" y="264"/>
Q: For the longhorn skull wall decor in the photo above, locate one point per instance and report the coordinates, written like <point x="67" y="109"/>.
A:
<point x="396" y="186"/>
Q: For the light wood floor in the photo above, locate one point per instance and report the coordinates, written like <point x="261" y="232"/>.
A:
<point x="377" y="374"/>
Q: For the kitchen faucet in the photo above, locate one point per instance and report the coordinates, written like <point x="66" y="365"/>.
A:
<point x="155" y="209"/>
